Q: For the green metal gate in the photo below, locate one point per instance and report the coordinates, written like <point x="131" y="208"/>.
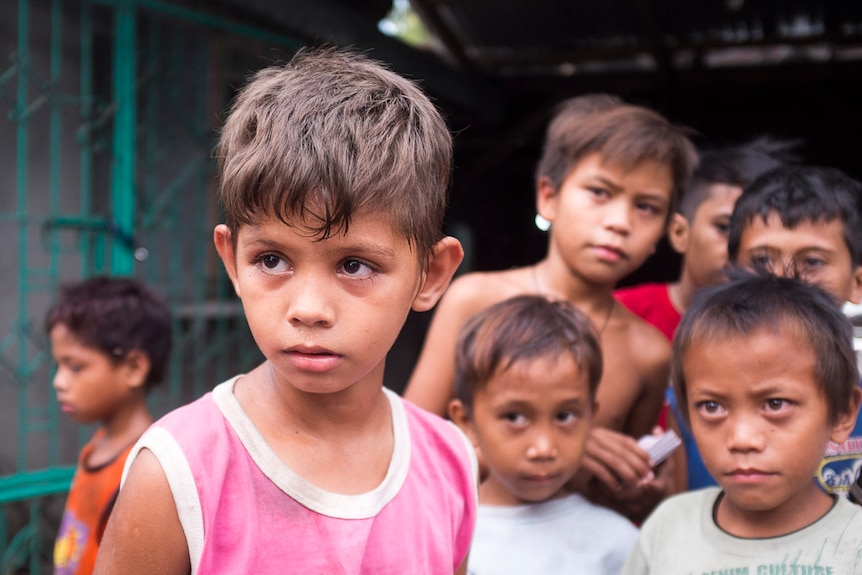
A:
<point x="110" y="115"/>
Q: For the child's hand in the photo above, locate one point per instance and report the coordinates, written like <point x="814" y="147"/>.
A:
<point x="616" y="473"/>
<point x="615" y="460"/>
<point x="639" y="501"/>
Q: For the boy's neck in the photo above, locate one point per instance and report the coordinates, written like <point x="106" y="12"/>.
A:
<point x="349" y="410"/>
<point x="551" y="279"/>
<point x="681" y="293"/>
<point x="340" y="442"/>
<point x="771" y="523"/>
<point x="121" y="429"/>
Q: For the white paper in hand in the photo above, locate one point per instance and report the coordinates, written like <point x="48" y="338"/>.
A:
<point x="660" y="446"/>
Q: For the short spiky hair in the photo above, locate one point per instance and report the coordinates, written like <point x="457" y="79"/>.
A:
<point x="330" y="134"/>
<point x="116" y="315"/>
<point x="752" y="301"/>
<point x="622" y="133"/>
<point x="520" y="329"/>
<point x="798" y="194"/>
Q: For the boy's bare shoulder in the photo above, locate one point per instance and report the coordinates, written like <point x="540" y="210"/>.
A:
<point x="649" y="348"/>
<point x="478" y="290"/>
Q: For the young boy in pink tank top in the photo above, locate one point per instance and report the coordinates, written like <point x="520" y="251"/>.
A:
<point x="334" y="174"/>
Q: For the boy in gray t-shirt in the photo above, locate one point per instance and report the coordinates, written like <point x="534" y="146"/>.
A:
<point x="766" y="376"/>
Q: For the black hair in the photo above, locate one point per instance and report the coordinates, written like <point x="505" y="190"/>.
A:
<point x="116" y="315"/>
<point x="798" y="194"/>
<point x="734" y="166"/>
<point x="758" y="300"/>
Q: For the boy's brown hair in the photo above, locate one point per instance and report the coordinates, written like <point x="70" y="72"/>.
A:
<point x="331" y="134"/>
<point x="622" y="133"/>
<point x="520" y="329"/>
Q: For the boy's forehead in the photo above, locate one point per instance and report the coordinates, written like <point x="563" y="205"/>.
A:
<point x="718" y="199"/>
<point x="805" y="234"/>
<point x="530" y="378"/>
<point x="367" y="227"/>
<point x="724" y="193"/>
<point x="648" y="173"/>
<point x="771" y="348"/>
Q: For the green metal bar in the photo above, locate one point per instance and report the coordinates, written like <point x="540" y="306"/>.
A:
<point x="32" y="484"/>
<point x="123" y="173"/>
<point x="21" y="201"/>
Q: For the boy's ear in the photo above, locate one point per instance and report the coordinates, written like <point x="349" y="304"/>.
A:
<point x="678" y="233"/>
<point x="856" y="292"/>
<point x="224" y="246"/>
<point x="546" y="198"/>
<point x="843" y="426"/>
<point x="446" y="256"/>
<point x="460" y="416"/>
<point x="137" y="367"/>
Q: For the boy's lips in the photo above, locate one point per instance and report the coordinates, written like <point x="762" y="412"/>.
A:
<point x="747" y="475"/>
<point x="315" y="359"/>
<point x="540" y="477"/>
<point x="609" y="253"/>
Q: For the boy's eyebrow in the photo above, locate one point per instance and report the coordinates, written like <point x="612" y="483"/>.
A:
<point x="376" y="249"/>
<point x="605" y="181"/>
<point x="520" y="403"/>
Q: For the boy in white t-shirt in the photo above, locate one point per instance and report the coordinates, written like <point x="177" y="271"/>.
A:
<point x="527" y="370"/>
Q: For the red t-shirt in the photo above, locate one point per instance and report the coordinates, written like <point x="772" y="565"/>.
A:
<point x="652" y="302"/>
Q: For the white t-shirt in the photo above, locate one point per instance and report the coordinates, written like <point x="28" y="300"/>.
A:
<point x="566" y="535"/>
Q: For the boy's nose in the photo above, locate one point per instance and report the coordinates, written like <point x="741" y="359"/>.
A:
<point x="745" y="434"/>
<point x="58" y="382"/>
<point x="618" y="217"/>
<point x="309" y="301"/>
<point x="542" y="446"/>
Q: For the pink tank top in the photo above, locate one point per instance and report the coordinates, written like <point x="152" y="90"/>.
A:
<point x="244" y="511"/>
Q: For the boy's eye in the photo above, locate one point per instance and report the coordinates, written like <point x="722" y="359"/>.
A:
<point x="710" y="408"/>
<point x="650" y="209"/>
<point x="515" y="418"/>
<point x="566" y="417"/>
<point x="812" y="262"/>
<point x="272" y="263"/>
<point x="776" y="404"/>
<point x="722" y="228"/>
<point x="356" y="269"/>
<point x="70" y="366"/>
<point x="599" y="192"/>
<point x="74" y="367"/>
<point x="761" y="260"/>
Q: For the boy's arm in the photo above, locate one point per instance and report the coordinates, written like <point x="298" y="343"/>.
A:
<point x="614" y="457"/>
<point x="432" y="382"/>
<point x="144" y="534"/>
<point x="625" y="480"/>
<point x="654" y="366"/>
